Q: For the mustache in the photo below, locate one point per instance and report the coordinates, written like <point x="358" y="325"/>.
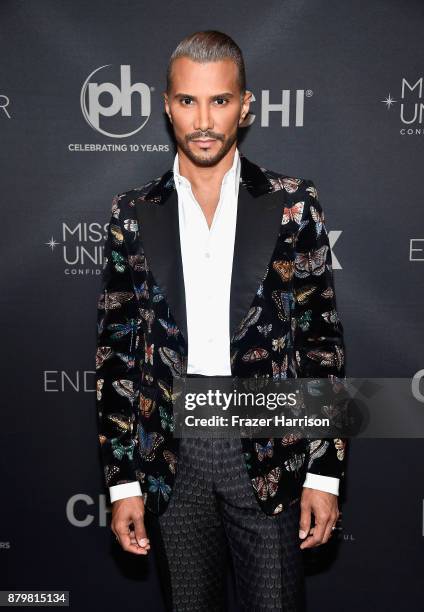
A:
<point x="207" y="134"/>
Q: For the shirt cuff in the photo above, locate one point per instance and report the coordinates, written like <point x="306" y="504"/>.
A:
<point x="330" y="484"/>
<point x="127" y="489"/>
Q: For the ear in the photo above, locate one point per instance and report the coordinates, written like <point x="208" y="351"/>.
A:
<point x="166" y="102"/>
<point x="245" y="105"/>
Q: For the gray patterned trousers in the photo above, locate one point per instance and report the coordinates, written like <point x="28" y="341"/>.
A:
<point x="214" y="519"/>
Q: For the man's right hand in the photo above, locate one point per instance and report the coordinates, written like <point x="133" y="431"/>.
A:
<point x="128" y="525"/>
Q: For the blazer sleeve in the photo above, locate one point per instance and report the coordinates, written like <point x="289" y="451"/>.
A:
<point x="318" y="335"/>
<point x="119" y="340"/>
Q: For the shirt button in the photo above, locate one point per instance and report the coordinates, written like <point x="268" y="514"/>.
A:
<point x="207" y="254"/>
<point x="210" y="339"/>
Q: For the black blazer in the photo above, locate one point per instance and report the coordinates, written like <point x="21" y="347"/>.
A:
<point x="282" y="288"/>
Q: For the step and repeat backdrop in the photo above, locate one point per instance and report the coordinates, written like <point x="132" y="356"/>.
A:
<point x="338" y="98"/>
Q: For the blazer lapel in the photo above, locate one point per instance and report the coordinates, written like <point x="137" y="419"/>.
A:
<point x="259" y="213"/>
<point x="258" y="224"/>
<point x="160" y="235"/>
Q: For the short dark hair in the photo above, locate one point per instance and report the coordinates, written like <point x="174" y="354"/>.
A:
<point x="208" y="46"/>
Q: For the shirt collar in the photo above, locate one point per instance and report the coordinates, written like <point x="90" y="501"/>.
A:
<point x="233" y="174"/>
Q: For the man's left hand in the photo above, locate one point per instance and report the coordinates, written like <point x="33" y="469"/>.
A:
<point x="325" y="509"/>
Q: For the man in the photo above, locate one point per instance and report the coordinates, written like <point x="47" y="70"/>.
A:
<point x="217" y="268"/>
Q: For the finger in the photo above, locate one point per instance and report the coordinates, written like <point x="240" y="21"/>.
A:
<point x="125" y="541"/>
<point x="304" y="521"/>
<point x="133" y="537"/>
<point x="140" y="531"/>
<point x="329" y="529"/>
<point x="316" y="538"/>
<point x="133" y="540"/>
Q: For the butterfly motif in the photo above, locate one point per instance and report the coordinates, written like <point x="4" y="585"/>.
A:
<point x="284" y="268"/>
<point x="255" y="354"/>
<point x="302" y="295"/>
<point x="148" y="352"/>
<point x="171" y="330"/>
<point x="102" y="353"/>
<point x="289" y="184"/>
<point x="171" y="460"/>
<point x="340" y="447"/>
<point x="166" y="419"/>
<point x="141" y="476"/>
<point x="336" y="415"/>
<point x="313" y="191"/>
<point x="312" y="262"/>
<point x="121" y="422"/>
<point x="318" y="217"/>
<point x="293" y="464"/>
<point x="101" y="325"/>
<point x="131" y="225"/>
<point x="158" y="485"/>
<point x="267" y="484"/>
<point x="120" y="450"/>
<point x="99" y="387"/>
<point x="293" y="213"/>
<point x="278" y="343"/>
<point x="115" y="207"/>
<point x="138" y="262"/>
<point x="113" y="300"/>
<point x="142" y="291"/>
<point x="279" y="370"/>
<point x="172" y="359"/>
<point x="146" y="405"/>
<point x="290" y="438"/>
<point x="264" y="450"/>
<point x="119" y="261"/>
<point x="167" y="393"/>
<point x="117" y="235"/>
<point x="265" y="329"/>
<point x="147" y="378"/>
<point x="317" y="449"/>
<point x="122" y="329"/>
<point x="149" y="316"/>
<point x="126" y="389"/>
<point x="305" y="320"/>
<point x="250" y="319"/>
<point x="327" y="293"/>
<point x="284" y="302"/>
<point x="148" y="442"/>
<point x="158" y="295"/>
<point x="314" y="387"/>
<point x="328" y="358"/>
<point x="331" y="316"/>
<point x="128" y="359"/>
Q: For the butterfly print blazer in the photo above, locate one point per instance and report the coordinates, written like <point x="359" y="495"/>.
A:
<point x="283" y="324"/>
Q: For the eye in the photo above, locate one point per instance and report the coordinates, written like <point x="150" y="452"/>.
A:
<point x="222" y="100"/>
<point x="183" y="99"/>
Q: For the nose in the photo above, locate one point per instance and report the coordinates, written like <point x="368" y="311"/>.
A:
<point x="203" y="120"/>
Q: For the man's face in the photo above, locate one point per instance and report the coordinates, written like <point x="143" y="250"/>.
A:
<point x="205" y="108"/>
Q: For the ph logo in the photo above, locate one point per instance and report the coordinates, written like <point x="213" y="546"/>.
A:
<point x="121" y="101"/>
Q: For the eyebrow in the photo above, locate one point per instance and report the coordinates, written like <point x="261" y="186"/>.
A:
<point x="227" y="94"/>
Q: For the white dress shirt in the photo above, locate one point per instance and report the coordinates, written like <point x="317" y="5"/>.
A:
<point x="207" y="259"/>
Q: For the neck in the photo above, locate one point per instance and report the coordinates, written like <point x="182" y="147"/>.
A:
<point x="205" y="177"/>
